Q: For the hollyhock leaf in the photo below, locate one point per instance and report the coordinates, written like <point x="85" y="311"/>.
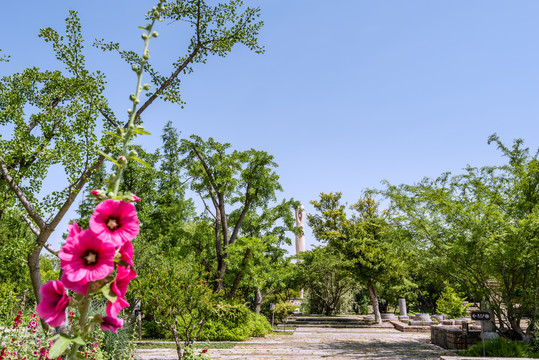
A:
<point x="108" y="157"/>
<point x="142" y="162"/>
<point x="108" y="293"/>
<point x="141" y="132"/>
<point x="78" y="340"/>
<point x="112" y="134"/>
<point x="59" y="347"/>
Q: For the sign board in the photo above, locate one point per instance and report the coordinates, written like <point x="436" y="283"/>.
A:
<point x="480" y="315"/>
<point x="272" y="306"/>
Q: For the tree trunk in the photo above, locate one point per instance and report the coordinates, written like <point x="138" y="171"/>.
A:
<point x="35" y="277"/>
<point x="374" y="300"/>
<point x="179" y="349"/>
<point x="239" y="275"/>
<point x="258" y="301"/>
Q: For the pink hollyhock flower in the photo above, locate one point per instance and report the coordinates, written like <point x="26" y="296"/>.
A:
<point x="115" y="221"/>
<point x="54" y="301"/>
<point x="136" y="198"/>
<point x="75" y="286"/>
<point x="111" y="323"/>
<point x="86" y="258"/>
<point x="119" y="287"/>
<point x="126" y="253"/>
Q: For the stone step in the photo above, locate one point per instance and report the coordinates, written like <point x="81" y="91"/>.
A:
<point x="325" y="325"/>
<point x="326" y="319"/>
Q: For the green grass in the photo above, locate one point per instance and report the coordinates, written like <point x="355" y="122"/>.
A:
<point x="197" y="345"/>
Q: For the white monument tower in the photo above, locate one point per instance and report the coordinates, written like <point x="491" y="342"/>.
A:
<point x="300" y="238"/>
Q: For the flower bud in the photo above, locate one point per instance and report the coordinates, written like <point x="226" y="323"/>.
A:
<point x="131" y="127"/>
<point x="146" y="87"/>
<point x="99" y="194"/>
<point x="144" y="36"/>
<point x="146" y="55"/>
<point x="129" y="111"/>
<point x="155" y="34"/>
<point x="134" y="67"/>
<point x="133" y="153"/>
<point x="122" y="160"/>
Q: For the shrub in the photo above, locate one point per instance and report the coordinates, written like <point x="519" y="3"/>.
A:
<point x="450" y="303"/>
<point x="283" y="310"/>
<point x="233" y="322"/>
<point x="500" y="348"/>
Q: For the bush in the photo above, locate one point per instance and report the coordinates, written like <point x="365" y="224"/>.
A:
<point x="450" y="303"/>
<point x="283" y="310"/>
<point x="150" y="330"/>
<point x="500" y="348"/>
<point x="233" y="322"/>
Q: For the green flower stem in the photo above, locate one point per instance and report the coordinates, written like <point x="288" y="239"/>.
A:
<point x="82" y="322"/>
<point x="133" y="112"/>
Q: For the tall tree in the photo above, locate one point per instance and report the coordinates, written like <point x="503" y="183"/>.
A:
<point x="231" y="184"/>
<point x="63" y="131"/>
<point x="326" y="275"/>
<point x="367" y="240"/>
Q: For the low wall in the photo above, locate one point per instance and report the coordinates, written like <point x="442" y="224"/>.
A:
<point x="453" y="338"/>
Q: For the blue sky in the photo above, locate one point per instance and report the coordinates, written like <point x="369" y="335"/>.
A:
<point x="348" y="92"/>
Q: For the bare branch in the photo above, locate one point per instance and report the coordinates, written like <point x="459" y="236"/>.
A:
<point x="51" y="250"/>
<point x="206" y="206"/>
<point x="31" y="225"/>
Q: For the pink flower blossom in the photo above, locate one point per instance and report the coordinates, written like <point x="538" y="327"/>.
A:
<point x="86" y="258"/>
<point x="75" y="286"/>
<point x="115" y="221"/>
<point x="111" y="323"/>
<point x="54" y="301"/>
<point x="126" y="253"/>
<point x="135" y="198"/>
<point x="119" y="287"/>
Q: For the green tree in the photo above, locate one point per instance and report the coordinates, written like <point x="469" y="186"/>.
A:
<point x="244" y="181"/>
<point x="481" y="230"/>
<point x="367" y="240"/>
<point x="178" y="298"/>
<point x="326" y="276"/>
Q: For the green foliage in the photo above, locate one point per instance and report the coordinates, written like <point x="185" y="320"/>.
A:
<point x="244" y="181"/>
<point x="326" y="276"/>
<point x="480" y="228"/>
<point x="233" y="322"/>
<point x="176" y="295"/>
<point x="368" y="244"/>
<point x="451" y="303"/>
<point x="152" y="331"/>
<point x="500" y="348"/>
<point x="283" y="310"/>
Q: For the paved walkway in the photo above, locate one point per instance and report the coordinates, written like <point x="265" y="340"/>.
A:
<point x="313" y="343"/>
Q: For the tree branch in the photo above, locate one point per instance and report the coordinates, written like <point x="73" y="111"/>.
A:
<point x="22" y="198"/>
<point x="31" y="225"/>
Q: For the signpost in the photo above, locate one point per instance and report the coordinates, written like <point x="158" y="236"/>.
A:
<point x="272" y="308"/>
<point x="481" y="316"/>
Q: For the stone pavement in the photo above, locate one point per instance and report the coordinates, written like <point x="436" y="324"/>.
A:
<point x="313" y="343"/>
